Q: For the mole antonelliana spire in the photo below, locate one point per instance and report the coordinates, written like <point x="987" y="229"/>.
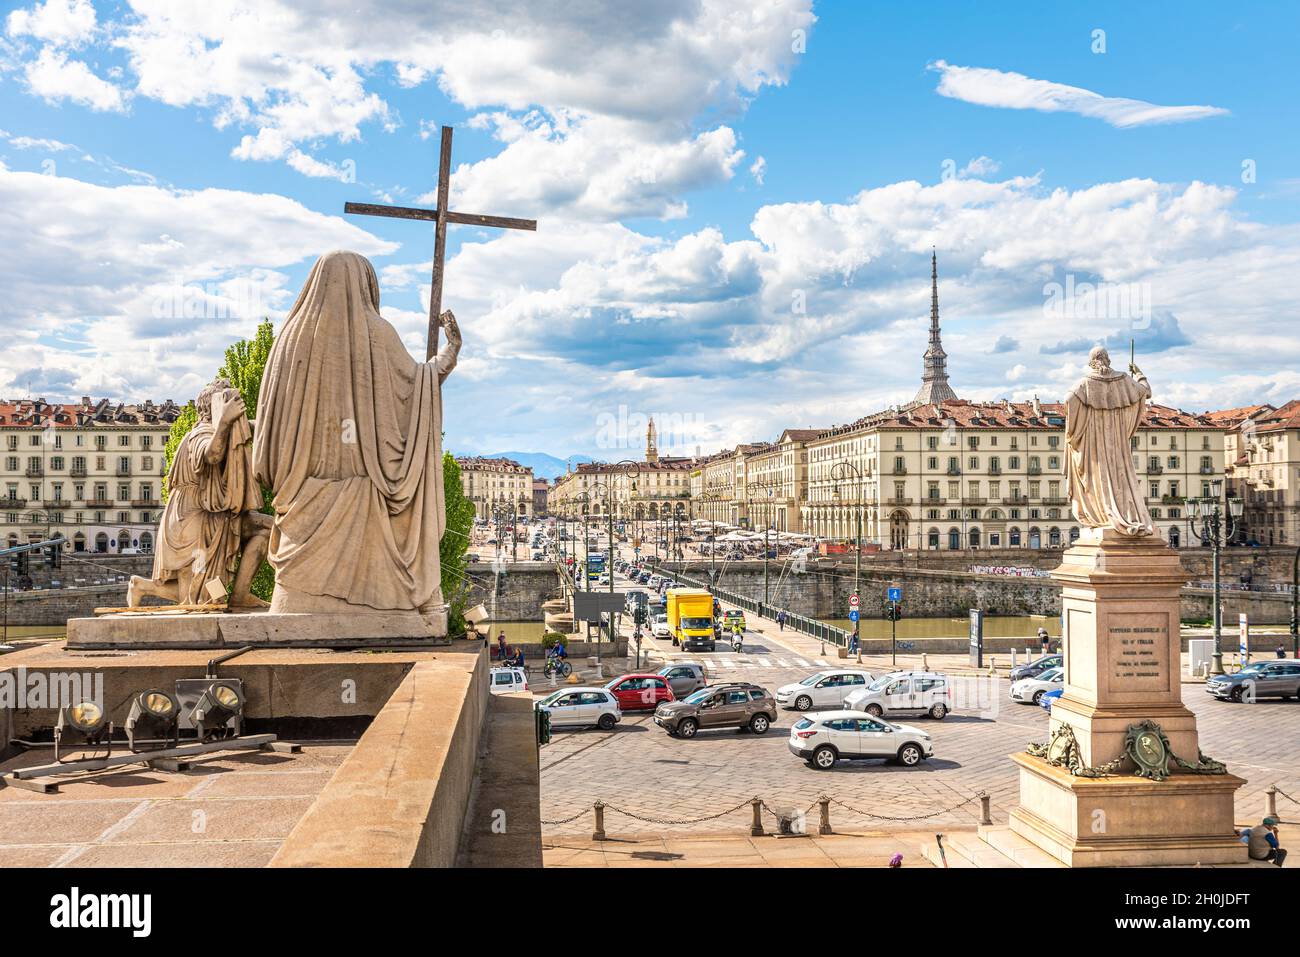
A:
<point x="934" y="380"/>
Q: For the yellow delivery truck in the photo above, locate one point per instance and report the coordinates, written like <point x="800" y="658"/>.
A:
<point x="690" y="618"/>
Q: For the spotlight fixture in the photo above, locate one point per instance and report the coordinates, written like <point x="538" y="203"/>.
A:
<point x="217" y="713"/>
<point x="154" y="715"/>
<point x="87" y="721"/>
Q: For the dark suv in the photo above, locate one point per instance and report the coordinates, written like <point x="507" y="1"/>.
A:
<point x="733" y="705"/>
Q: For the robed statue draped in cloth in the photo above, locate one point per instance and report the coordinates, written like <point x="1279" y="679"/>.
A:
<point x="211" y="536"/>
<point x="349" y="439"/>
<point x="1102" y="416"/>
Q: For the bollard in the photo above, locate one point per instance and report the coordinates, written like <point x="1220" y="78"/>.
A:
<point x="986" y="815"/>
<point x="825" y="826"/>
<point x="756" y="827"/>
<point x="1013" y="657"/>
<point x="599" y="808"/>
<point x="1028" y="654"/>
<point x="1270" y="801"/>
<point x="925" y="662"/>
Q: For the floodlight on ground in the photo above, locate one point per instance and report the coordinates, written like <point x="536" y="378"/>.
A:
<point x="212" y="714"/>
<point x="153" y="717"/>
<point x="86" y="722"/>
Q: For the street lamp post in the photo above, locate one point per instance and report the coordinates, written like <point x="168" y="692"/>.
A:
<point x="841" y="471"/>
<point x="767" y="487"/>
<point x="1208" y="524"/>
<point x="1295" y="604"/>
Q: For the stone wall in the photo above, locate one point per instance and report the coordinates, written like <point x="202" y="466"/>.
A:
<point x="517" y="593"/>
<point x="823" y="591"/>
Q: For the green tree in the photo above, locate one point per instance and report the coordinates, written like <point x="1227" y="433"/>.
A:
<point x="453" y="550"/>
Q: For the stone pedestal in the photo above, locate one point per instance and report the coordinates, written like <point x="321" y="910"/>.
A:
<point x="1122" y="653"/>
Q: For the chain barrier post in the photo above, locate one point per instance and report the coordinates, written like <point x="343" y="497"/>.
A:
<point x="599" y="808"/>
<point x="756" y="826"/>
<point x="986" y="815"/>
<point x="1270" y="801"/>
<point x="825" y="826"/>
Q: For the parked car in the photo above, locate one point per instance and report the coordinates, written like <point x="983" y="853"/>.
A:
<point x="912" y="692"/>
<point x="640" y="692"/>
<point x="506" y="680"/>
<point x="732" y="705"/>
<point x="684" y="677"/>
<point x="582" y="707"/>
<point x="825" y="689"/>
<point x="1031" y="690"/>
<point x="1031" y="669"/>
<point x="1279" y="678"/>
<point x="825" y="737"/>
<point x="1049" y="698"/>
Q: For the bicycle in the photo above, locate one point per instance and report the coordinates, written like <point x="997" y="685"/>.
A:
<point x="557" y="666"/>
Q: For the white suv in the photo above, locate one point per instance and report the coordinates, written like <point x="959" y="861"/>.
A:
<point x="825" y="689"/>
<point x="825" y="737"/>
<point x="904" y="692"/>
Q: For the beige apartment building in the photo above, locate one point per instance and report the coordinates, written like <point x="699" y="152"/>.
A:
<point x="654" y="488"/>
<point x="1262" y="459"/>
<point x="497" y="486"/>
<point x="962" y="474"/>
<point x="91" y="471"/>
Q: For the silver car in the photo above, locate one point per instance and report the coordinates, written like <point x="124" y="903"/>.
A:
<point x="684" y="677"/>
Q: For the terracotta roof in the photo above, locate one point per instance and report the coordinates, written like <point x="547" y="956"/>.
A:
<point x="964" y="414"/>
<point x="1280" y="419"/>
<point x="1230" y="418"/>
<point x="37" y="413"/>
<point x="478" y="463"/>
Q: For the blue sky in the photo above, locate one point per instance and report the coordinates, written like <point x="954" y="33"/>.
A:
<point x="736" y="209"/>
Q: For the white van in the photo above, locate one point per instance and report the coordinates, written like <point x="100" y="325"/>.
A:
<point x="904" y="692"/>
<point x="507" y="680"/>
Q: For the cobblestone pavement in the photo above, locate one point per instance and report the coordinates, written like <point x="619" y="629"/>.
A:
<point x="638" y="768"/>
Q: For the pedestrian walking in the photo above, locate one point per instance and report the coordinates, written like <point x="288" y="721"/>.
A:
<point x="780" y="619"/>
<point x="501" y="646"/>
<point x="1044" y="640"/>
<point x="1281" y="651"/>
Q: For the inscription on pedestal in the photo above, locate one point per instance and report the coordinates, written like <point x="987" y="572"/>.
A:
<point x="1139" y="651"/>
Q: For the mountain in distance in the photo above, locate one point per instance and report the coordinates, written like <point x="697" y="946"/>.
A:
<point x="543" y="465"/>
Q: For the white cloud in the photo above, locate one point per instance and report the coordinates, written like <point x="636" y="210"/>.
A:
<point x="146" y="306"/>
<point x="620" y="96"/>
<point x="980" y="167"/>
<point x="757" y="169"/>
<point x="59" y="22"/>
<point x="54" y="77"/>
<point x="37" y="143"/>
<point x="1015" y="91"/>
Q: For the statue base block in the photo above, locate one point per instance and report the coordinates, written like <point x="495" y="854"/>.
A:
<point x="1125" y="820"/>
<point x="179" y="630"/>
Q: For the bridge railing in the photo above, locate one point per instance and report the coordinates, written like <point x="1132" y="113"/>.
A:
<point x="812" y="627"/>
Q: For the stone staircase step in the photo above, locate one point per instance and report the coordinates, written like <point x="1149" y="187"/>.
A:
<point x="956" y="860"/>
<point x="1020" y="851"/>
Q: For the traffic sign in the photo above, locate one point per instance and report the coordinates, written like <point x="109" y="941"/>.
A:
<point x="853" y="602"/>
<point x="895" y="594"/>
<point x="853" y="615"/>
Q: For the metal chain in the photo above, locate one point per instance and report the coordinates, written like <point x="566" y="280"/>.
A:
<point x="1285" y="795"/>
<point x="569" y="820"/>
<point x="693" y="820"/>
<point x="916" y="817"/>
<point x="770" y="810"/>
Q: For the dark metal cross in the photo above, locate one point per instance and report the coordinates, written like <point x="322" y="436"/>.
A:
<point x="441" y="216"/>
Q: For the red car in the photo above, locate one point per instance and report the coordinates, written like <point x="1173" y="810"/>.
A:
<point x="640" y="692"/>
